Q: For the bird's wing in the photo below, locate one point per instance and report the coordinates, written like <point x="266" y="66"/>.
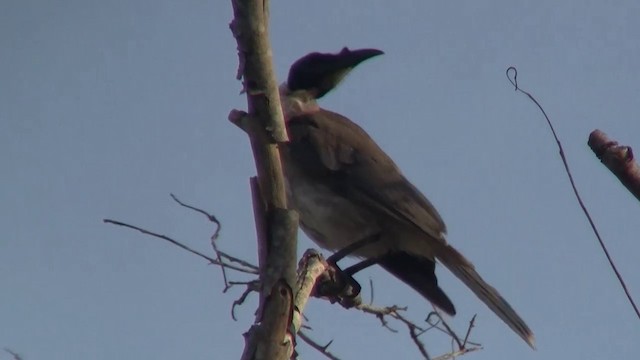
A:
<point x="331" y="147"/>
<point x="328" y="145"/>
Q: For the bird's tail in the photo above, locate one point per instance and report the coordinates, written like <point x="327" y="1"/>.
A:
<point x="464" y="270"/>
<point x="419" y="273"/>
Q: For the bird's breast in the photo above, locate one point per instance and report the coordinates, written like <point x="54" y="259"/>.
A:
<point x="329" y="219"/>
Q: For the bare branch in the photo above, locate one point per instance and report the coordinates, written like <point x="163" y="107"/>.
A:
<point x="454" y="354"/>
<point x="266" y="124"/>
<point x="414" y="333"/>
<point x="277" y="226"/>
<point x="266" y="340"/>
<point x="237" y="260"/>
<point x="322" y="349"/>
<point x="311" y="266"/>
<point x="215" y="235"/>
<point x="182" y="246"/>
<point x="394" y="311"/>
<point x="415" y="330"/>
<point x="252" y="286"/>
<point x="471" y="325"/>
<point x="514" y="82"/>
<point x="15" y="355"/>
<point x="618" y="159"/>
<point x="209" y="216"/>
<point x="448" y="329"/>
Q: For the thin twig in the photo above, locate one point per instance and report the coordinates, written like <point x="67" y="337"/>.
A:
<point x="471" y="325"/>
<point x="393" y="311"/>
<point x="237" y="260"/>
<point x="416" y="330"/>
<point x="211" y="217"/>
<point x="454" y="354"/>
<point x="15" y="355"/>
<point x="182" y="246"/>
<point x="321" y="349"/>
<point x="414" y="336"/>
<point x="514" y="82"/>
<point x="252" y="286"/>
<point x="444" y="328"/>
<point x="448" y="329"/>
<point x="215" y="235"/>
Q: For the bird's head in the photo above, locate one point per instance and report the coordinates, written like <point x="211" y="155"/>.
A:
<point x="314" y="75"/>
<point x="318" y="73"/>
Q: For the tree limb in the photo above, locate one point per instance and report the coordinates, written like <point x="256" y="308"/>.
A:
<point x="276" y="226"/>
<point x="618" y="159"/>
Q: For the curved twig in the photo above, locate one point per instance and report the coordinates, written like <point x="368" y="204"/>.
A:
<point x="514" y="82"/>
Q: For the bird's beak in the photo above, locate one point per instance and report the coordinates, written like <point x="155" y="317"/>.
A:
<point x="319" y="73"/>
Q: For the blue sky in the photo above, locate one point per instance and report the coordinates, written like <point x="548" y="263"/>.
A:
<point x="106" y="107"/>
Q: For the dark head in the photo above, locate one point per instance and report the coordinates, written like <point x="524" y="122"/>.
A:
<point x="319" y="73"/>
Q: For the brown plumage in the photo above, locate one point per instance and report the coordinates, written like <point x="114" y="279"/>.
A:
<point x="346" y="188"/>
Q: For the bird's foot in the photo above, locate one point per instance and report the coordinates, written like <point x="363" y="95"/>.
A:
<point x="338" y="285"/>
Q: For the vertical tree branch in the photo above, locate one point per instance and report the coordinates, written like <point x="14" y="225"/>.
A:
<point x="269" y="338"/>
<point x="266" y="126"/>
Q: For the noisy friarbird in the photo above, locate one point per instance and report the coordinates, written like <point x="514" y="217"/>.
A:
<point x="346" y="189"/>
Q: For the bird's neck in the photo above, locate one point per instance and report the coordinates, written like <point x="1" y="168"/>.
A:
<point x="297" y="103"/>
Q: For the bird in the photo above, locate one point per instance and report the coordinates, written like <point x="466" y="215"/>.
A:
<point x="347" y="189"/>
